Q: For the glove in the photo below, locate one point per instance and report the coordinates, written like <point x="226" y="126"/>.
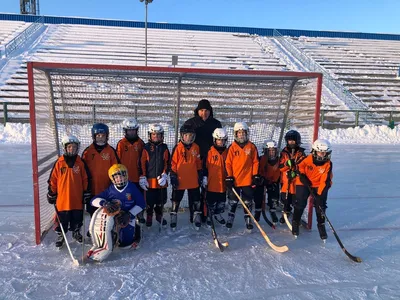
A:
<point x="111" y="208"/>
<point x="257" y="180"/>
<point x="51" y="197"/>
<point x="204" y="182"/>
<point x="86" y="197"/>
<point x="290" y="163"/>
<point x="291" y="175"/>
<point x="123" y="218"/>
<point x="304" y="180"/>
<point x="174" y="181"/>
<point x="229" y="182"/>
<point x="200" y="177"/>
<point x="143" y="183"/>
<point x="162" y="179"/>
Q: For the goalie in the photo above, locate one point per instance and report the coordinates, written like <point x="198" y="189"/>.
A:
<point x="113" y="223"/>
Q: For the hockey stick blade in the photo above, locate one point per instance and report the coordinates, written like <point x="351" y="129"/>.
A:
<point x="287" y="221"/>
<point x="266" y="238"/>
<point x="267" y="220"/>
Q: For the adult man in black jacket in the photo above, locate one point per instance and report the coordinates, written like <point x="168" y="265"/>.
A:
<point x="204" y="125"/>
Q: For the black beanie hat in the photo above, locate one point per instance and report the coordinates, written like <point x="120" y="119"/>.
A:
<point x="204" y="104"/>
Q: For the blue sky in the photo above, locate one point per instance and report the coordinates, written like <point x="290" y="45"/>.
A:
<point x="345" y="15"/>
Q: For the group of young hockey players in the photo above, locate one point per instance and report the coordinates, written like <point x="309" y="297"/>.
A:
<point x="119" y="185"/>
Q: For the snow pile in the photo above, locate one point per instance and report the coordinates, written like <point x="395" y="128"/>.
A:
<point x="15" y="133"/>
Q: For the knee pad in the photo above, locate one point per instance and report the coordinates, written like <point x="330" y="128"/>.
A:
<point x="103" y="235"/>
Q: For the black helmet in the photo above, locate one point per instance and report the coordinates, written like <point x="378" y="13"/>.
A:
<point x="185" y="129"/>
<point x="293" y="135"/>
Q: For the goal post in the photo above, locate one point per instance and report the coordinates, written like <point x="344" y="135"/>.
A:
<point x="70" y="98"/>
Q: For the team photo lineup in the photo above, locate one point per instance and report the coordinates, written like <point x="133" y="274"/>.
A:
<point x="124" y="189"/>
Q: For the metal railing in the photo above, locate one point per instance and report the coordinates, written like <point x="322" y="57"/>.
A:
<point x="331" y="83"/>
<point x="21" y="38"/>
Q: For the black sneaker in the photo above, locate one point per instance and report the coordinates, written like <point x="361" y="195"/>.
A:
<point x="295" y="228"/>
<point x="231" y="218"/>
<point x="322" y="231"/>
<point x="60" y="240"/>
<point x="77" y="236"/>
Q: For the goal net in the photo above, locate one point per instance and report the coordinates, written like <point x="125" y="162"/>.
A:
<point x="70" y="98"/>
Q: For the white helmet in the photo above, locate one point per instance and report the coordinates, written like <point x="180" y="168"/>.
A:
<point x="270" y="144"/>
<point x="241" y="126"/>
<point x="156" y="128"/>
<point x="321" y="145"/>
<point x="130" y="124"/>
<point x="70" y="139"/>
<point x="220" y="134"/>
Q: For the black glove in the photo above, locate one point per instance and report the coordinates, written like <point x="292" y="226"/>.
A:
<point x="229" y="182"/>
<point x="304" y="180"/>
<point x="111" y="208"/>
<point x="290" y="163"/>
<point x="174" y="181"/>
<point x="86" y="197"/>
<point x="257" y="180"/>
<point x="123" y="218"/>
<point x="51" y="197"/>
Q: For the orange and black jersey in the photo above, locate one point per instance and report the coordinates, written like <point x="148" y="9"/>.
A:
<point x="69" y="178"/>
<point x="270" y="172"/>
<point x="215" y="168"/>
<point x="242" y="163"/>
<point x="286" y="154"/>
<point x="186" y="163"/>
<point x="154" y="161"/>
<point x="129" y="154"/>
<point x="319" y="175"/>
<point x="98" y="163"/>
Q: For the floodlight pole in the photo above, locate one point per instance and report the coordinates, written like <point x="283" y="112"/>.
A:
<point x="146" y="2"/>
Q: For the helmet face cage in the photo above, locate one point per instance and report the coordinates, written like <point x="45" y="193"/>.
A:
<point x="158" y="130"/>
<point x="243" y="129"/>
<point x="293" y="135"/>
<point x="268" y="146"/>
<point x="220" y="134"/>
<point x="118" y="175"/>
<point x="100" y="128"/>
<point x="68" y="140"/>
<point x="187" y="134"/>
<point x="323" y="146"/>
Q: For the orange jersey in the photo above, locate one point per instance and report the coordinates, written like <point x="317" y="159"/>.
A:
<point x="68" y="183"/>
<point x="242" y="163"/>
<point x="186" y="163"/>
<point x="271" y="173"/>
<point x="154" y="162"/>
<point x="129" y="155"/>
<point x="320" y="176"/>
<point x="215" y="165"/>
<point x="286" y="154"/>
<point x="98" y="164"/>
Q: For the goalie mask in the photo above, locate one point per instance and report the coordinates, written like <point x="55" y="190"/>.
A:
<point x="321" y="151"/>
<point x="188" y="134"/>
<point x="100" y="134"/>
<point x="220" y="138"/>
<point x="130" y="127"/>
<point x="156" y="134"/>
<point x="241" y="132"/>
<point x="70" y="144"/>
<point x="118" y="175"/>
<point x="270" y="148"/>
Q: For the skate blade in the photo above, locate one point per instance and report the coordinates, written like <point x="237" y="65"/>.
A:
<point x="173" y="229"/>
<point x="295" y="237"/>
<point x="249" y="230"/>
<point x="324" y="241"/>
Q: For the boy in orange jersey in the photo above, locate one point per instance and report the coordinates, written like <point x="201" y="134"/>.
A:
<point x="291" y="155"/>
<point x="99" y="157"/>
<point x="154" y="167"/>
<point x="270" y="174"/>
<point x="214" y="176"/>
<point x="242" y="172"/>
<point x="315" y="172"/>
<point x="69" y="189"/>
<point x="186" y="174"/>
<point x="129" y="150"/>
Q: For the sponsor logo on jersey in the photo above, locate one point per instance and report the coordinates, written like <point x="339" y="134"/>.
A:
<point x="63" y="170"/>
<point x="247" y="151"/>
<point x="76" y="169"/>
<point x="321" y="170"/>
<point x="128" y="196"/>
<point x="105" y="156"/>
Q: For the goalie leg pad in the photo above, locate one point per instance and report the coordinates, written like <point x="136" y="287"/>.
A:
<point x="101" y="229"/>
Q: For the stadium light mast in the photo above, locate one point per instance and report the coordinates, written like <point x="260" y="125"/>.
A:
<point x="146" y="2"/>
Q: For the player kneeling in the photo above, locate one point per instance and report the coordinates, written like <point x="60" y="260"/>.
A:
<point x="113" y="223"/>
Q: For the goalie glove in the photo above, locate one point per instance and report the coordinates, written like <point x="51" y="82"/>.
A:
<point x="162" y="179"/>
<point x="111" y="208"/>
<point x="123" y="218"/>
<point x="143" y="183"/>
<point x="51" y="197"/>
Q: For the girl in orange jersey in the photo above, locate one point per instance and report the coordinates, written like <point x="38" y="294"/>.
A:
<point x="291" y="155"/>
<point x="68" y="189"/>
<point x="154" y="167"/>
<point x="214" y="179"/>
<point x="129" y="150"/>
<point x="315" y="172"/>
<point x="242" y="172"/>
<point x="186" y="174"/>
<point x="270" y="174"/>
<point x="99" y="157"/>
